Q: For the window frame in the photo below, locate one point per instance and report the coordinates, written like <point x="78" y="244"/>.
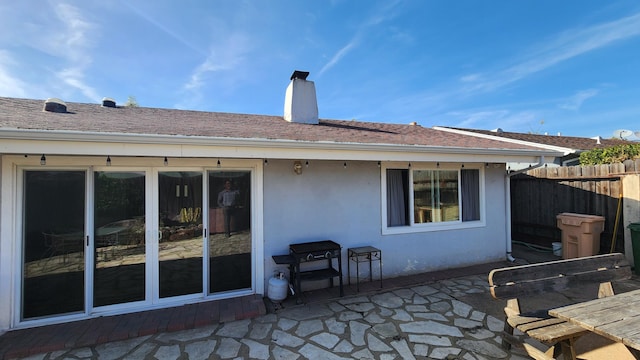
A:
<point x="414" y="227"/>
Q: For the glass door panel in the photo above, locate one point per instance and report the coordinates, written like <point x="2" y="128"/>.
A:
<point x="119" y="233"/>
<point x="180" y="244"/>
<point x="53" y="243"/>
<point x="230" y="263"/>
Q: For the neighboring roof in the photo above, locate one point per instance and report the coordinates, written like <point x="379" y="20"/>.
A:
<point x="28" y="115"/>
<point x="577" y="144"/>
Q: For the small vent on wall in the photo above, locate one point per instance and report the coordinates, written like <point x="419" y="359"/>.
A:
<point x="55" y="105"/>
<point x="108" y="102"/>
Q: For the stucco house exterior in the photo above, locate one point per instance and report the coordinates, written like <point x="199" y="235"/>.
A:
<point x="108" y="209"/>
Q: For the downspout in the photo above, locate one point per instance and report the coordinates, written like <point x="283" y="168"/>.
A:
<point x="507" y="186"/>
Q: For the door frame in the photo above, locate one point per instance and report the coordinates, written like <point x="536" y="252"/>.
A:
<point x="13" y="191"/>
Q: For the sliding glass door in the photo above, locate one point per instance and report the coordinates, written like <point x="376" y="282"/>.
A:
<point x="53" y="246"/>
<point x="181" y="241"/>
<point x="106" y="239"/>
<point x="119" y="274"/>
<point x="230" y="245"/>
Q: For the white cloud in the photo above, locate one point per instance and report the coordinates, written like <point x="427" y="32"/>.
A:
<point x="339" y="55"/>
<point x="575" y="102"/>
<point x="494" y="118"/>
<point x="53" y="36"/>
<point x="226" y="56"/>
<point x="146" y="16"/>
<point x="76" y="40"/>
<point x="225" y="63"/>
<point x="9" y="85"/>
<point x="470" y="78"/>
<point x="74" y="77"/>
<point x="565" y="46"/>
<point x="382" y="15"/>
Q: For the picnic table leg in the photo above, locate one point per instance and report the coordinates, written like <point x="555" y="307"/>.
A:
<point x="508" y="330"/>
<point x="567" y="349"/>
<point x="513" y="307"/>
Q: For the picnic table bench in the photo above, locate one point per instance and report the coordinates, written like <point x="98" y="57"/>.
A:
<point x="518" y="283"/>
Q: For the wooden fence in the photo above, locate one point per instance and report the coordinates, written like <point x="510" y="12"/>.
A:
<point x="539" y="195"/>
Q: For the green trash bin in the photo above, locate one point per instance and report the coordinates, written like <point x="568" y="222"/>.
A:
<point x="635" y="243"/>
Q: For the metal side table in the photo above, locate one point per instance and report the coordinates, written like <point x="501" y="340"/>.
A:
<point x="364" y="254"/>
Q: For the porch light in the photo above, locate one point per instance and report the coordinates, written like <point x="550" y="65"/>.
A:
<point x="378" y="164"/>
<point x="306" y="164"/>
<point x="166" y="161"/>
<point x="43" y="160"/>
<point x="218" y="165"/>
<point x="297" y="168"/>
<point x="344" y="165"/>
<point x="266" y="162"/>
<point x="108" y="160"/>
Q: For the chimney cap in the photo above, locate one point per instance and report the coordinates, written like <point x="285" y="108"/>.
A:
<point x="297" y="74"/>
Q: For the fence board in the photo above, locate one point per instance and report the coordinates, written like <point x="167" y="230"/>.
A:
<point x="541" y="194"/>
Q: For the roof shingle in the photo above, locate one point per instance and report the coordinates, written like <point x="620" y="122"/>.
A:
<point x="28" y="114"/>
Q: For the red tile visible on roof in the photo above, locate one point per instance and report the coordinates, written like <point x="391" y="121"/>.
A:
<point x="28" y="114"/>
<point x="570" y="142"/>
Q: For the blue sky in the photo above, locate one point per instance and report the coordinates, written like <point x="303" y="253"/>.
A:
<point x="541" y="66"/>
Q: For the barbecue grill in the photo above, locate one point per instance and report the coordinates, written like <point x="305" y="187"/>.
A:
<point x="316" y="251"/>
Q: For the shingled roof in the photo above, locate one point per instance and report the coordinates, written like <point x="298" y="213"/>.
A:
<point x="28" y="115"/>
<point x="570" y="142"/>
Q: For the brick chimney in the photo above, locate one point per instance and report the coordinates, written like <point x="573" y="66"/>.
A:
<point x="300" y="104"/>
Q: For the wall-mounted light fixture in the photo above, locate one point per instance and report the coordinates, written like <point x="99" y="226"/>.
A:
<point x="438" y="164"/>
<point x="166" y="161"/>
<point x="297" y="167"/>
<point x="218" y="164"/>
<point x="409" y="165"/>
<point x="378" y="164"/>
<point x="108" y="160"/>
<point x="344" y="165"/>
<point x="43" y="160"/>
<point x="306" y="164"/>
<point x="266" y="162"/>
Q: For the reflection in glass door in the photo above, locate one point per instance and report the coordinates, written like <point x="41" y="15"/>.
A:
<point x="180" y="244"/>
<point x="53" y="243"/>
<point x="119" y="233"/>
<point x="230" y="261"/>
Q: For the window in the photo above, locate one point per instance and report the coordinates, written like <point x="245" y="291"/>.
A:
<point x="444" y="196"/>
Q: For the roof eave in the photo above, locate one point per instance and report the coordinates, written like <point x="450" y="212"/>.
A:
<point x="564" y="150"/>
<point x="81" y="136"/>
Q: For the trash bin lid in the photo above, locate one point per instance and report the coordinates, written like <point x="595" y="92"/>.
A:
<point x="577" y="219"/>
<point x="634" y="226"/>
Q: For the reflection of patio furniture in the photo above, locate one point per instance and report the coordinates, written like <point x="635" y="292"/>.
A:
<point x="63" y="244"/>
<point x="117" y="233"/>
<point x="216" y="221"/>
<point x="444" y="212"/>
<point x="427" y="214"/>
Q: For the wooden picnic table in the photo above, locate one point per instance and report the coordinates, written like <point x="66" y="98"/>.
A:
<point x="615" y="317"/>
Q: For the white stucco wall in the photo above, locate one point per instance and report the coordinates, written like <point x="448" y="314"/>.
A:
<point x="343" y="205"/>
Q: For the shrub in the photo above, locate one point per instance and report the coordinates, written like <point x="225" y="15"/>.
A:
<point x="615" y="154"/>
